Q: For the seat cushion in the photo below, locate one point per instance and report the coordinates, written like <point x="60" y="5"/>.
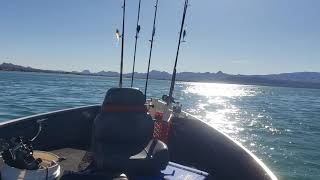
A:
<point x="123" y="120"/>
<point x="151" y="160"/>
<point x="123" y="128"/>
<point x="122" y="135"/>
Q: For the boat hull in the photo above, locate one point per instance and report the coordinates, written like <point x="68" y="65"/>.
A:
<point x="192" y="142"/>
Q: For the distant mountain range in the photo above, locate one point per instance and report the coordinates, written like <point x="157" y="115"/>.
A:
<point x="296" y="79"/>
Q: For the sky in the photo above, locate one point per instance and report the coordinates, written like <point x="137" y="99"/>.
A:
<point x="233" y="36"/>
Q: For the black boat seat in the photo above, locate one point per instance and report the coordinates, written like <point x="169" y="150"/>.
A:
<point x="122" y="135"/>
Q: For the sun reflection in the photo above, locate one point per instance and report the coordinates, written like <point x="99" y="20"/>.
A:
<point x="217" y="106"/>
<point x="218" y="89"/>
<point x="219" y="120"/>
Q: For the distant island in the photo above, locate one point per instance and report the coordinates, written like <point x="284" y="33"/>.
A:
<point x="296" y="79"/>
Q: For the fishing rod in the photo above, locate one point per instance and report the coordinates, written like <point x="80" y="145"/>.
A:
<point x="122" y="42"/>
<point x="182" y="33"/>
<point x="151" y="46"/>
<point x="135" y="46"/>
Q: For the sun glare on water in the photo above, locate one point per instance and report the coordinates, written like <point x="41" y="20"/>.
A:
<point x="216" y="104"/>
<point x="217" y="89"/>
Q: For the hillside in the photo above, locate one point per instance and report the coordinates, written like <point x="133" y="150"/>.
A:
<point x="296" y="79"/>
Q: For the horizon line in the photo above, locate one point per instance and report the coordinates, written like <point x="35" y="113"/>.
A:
<point x="94" y="72"/>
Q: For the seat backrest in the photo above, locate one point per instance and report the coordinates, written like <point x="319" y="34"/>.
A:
<point x="123" y="121"/>
<point x="124" y="96"/>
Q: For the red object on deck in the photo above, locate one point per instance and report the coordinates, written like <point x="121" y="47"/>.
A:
<point x="161" y="128"/>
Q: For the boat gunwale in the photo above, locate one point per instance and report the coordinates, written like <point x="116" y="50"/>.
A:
<point x="260" y="163"/>
<point x="21" y="119"/>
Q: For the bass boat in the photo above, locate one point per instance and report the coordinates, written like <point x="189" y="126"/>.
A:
<point x="126" y="137"/>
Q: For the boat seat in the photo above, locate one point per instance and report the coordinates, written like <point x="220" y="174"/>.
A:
<point x="122" y="135"/>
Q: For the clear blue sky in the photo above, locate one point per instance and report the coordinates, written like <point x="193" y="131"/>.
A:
<point x="234" y="36"/>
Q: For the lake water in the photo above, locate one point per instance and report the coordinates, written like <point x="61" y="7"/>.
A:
<point x="280" y="125"/>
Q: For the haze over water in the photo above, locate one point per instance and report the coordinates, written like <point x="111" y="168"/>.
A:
<point x="280" y="125"/>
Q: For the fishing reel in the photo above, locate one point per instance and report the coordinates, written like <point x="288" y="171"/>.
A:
<point x="18" y="152"/>
<point x="167" y="99"/>
<point x="176" y="106"/>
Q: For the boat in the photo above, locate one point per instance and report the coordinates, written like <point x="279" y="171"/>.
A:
<point x="127" y="136"/>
